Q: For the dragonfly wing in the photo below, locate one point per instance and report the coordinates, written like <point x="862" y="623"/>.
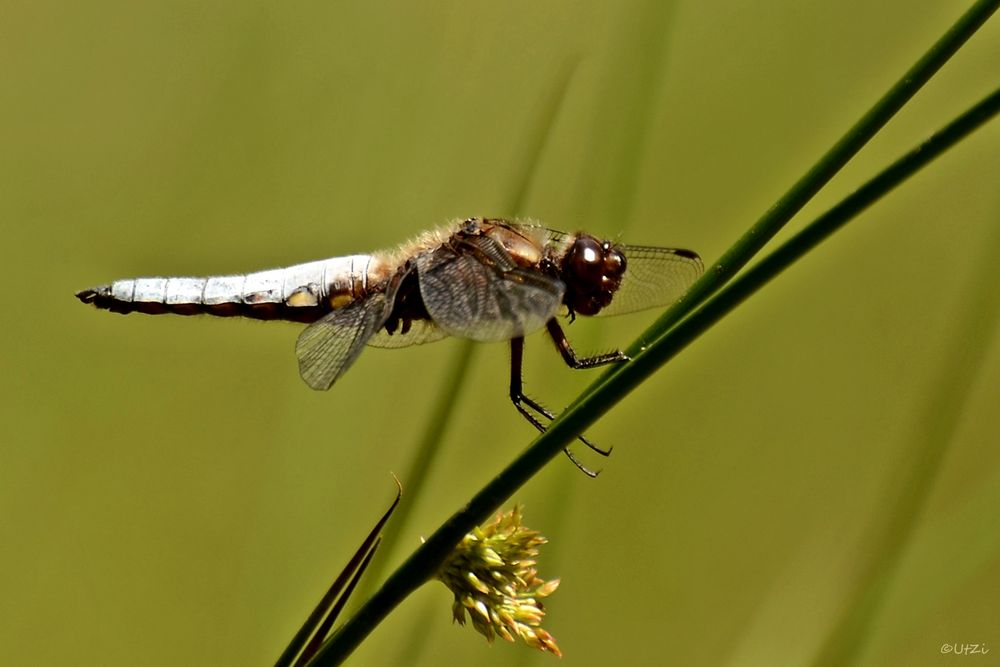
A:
<point x="327" y="347"/>
<point x="479" y="292"/>
<point x="420" y="332"/>
<point x="653" y="277"/>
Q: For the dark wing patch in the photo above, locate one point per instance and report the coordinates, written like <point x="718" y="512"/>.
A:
<point x="478" y="292"/>
<point x="327" y="347"/>
<point x="653" y="277"/>
<point x="421" y="331"/>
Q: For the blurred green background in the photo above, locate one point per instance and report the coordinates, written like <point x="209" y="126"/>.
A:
<point x="171" y="493"/>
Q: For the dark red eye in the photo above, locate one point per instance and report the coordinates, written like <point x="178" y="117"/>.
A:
<point x="586" y="260"/>
<point x="614" y="263"/>
<point x="592" y="271"/>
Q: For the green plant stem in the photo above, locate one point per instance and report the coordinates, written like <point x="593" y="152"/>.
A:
<point x="669" y="344"/>
<point x="424" y="562"/>
<point x="333" y="600"/>
<point x="775" y="218"/>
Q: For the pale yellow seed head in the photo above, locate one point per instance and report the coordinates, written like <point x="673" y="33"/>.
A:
<point x="493" y="578"/>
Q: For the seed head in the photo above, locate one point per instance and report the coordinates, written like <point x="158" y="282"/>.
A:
<point x="492" y="575"/>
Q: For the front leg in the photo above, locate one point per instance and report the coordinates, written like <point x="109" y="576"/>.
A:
<point x="569" y="356"/>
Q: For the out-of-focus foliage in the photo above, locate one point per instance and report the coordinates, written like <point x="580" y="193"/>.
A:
<point x="172" y="493"/>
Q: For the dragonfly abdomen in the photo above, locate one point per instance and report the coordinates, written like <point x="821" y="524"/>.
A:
<point x="302" y="293"/>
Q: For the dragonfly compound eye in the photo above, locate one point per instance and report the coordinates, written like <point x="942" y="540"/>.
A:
<point x="614" y="262"/>
<point x="593" y="272"/>
<point x="585" y="260"/>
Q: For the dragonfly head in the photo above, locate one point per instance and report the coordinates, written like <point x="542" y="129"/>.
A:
<point x="592" y="270"/>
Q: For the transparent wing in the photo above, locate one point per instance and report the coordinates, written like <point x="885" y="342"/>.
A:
<point x="421" y="331"/>
<point x="478" y="292"/>
<point x="653" y="277"/>
<point x="327" y="347"/>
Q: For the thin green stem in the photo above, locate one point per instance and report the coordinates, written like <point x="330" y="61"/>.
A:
<point x="669" y="344"/>
<point x="424" y="562"/>
<point x="332" y="602"/>
<point x="775" y="218"/>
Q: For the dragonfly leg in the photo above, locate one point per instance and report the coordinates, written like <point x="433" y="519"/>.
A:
<point x="569" y="356"/>
<point x="525" y="404"/>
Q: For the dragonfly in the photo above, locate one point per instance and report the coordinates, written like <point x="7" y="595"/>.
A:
<point x="484" y="279"/>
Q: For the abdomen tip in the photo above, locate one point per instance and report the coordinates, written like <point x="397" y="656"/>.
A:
<point x="92" y="295"/>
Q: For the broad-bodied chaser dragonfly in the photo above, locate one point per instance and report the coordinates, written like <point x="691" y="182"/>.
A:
<point x="483" y="279"/>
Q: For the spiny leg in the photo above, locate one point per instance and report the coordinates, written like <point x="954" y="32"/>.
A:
<point x="577" y="363"/>
<point x="548" y="414"/>
<point x="569" y="356"/>
<point x="519" y="400"/>
<point x="518" y="396"/>
<point x="573" y="362"/>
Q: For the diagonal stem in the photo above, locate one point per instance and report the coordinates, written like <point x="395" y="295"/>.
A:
<point x="423" y="563"/>
<point x="775" y="218"/>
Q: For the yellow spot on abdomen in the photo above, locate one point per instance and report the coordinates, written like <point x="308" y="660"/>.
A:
<point x="302" y="298"/>
<point x="340" y="300"/>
